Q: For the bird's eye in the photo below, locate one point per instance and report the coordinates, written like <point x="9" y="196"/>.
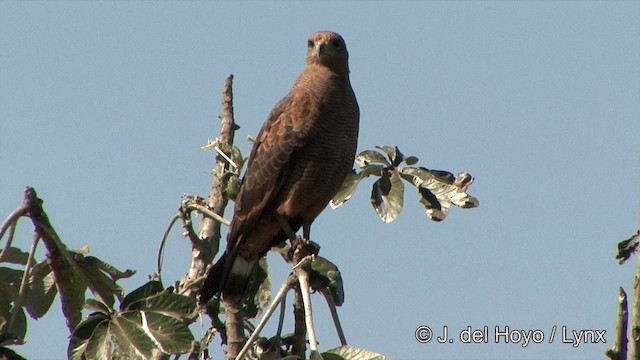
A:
<point x="310" y="43"/>
<point x="336" y="43"/>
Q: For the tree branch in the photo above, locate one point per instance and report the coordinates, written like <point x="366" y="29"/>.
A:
<point x="60" y="261"/>
<point x="279" y="298"/>
<point x="209" y="234"/>
<point x="334" y="315"/>
<point x="619" y="349"/>
<point x="634" y="345"/>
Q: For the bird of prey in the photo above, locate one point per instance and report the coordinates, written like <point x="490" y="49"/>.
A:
<point x="298" y="162"/>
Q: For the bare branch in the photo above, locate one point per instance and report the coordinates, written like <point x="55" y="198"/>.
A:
<point x="23" y="284"/>
<point x="634" y="344"/>
<point x="279" y="298"/>
<point x="12" y="231"/>
<point x="206" y="248"/>
<point x="162" y="244"/>
<point x="302" y="273"/>
<point x="60" y="262"/>
<point x="334" y="315"/>
<point x="299" y="328"/>
<point x="208" y="213"/>
<point x="619" y="349"/>
<point x="13" y="217"/>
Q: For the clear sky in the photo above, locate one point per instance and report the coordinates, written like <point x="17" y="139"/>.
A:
<point x="103" y="108"/>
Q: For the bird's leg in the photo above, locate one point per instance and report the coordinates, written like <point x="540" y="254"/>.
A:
<point x="284" y="225"/>
<point x="306" y="230"/>
<point x="300" y="247"/>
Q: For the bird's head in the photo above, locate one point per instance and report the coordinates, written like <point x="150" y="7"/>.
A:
<point x="328" y="49"/>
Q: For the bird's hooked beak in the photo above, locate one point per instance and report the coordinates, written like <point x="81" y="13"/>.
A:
<point x="320" y="48"/>
<point x="325" y="48"/>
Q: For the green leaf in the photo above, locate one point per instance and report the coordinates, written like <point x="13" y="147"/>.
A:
<point x="326" y="275"/>
<point x="411" y="160"/>
<point x="432" y="207"/>
<point x="167" y="303"/>
<point x="169" y="334"/>
<point x="369" y="170"/>
<point x="351" y="182"/>
<point x="393" y="153"/>
<point x="346" y="190"/>
<point x="151" y="288"/>
<point x="387" y="196"/>
<point x="93" y="304"/>
<point x="110" y="270"/>
<point x="12" y="333"/>
<point x="98" y="346"/>
<point x="136" y="334"/>
<point x="103" y="284"/>
<point x="11" y="277"/>
<point x="416" y="176"/>
<point x="9" y="334"/>
<point x="132" y="341"/>
<point x="370" y="156"/>
<point x="14" y="255"/>
<point x="354" y="353"/>
<point x="8" y="354"/>
<point x="18" y="329"/>
<point x="440" y="189"/>
<point x="42" y="292"/>
<point x="82" y="333"/>
<point x="331" y="356"/>
<point x="8" y="289"/>
<point x="230" y="185"/>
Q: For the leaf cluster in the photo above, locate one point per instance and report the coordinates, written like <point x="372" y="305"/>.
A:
<point x="150" y="321"/>
<point x="33" y="288"/>
<point x="437" y="189"/>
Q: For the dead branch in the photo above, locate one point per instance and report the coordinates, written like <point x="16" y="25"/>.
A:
<point x="619" y="349"/>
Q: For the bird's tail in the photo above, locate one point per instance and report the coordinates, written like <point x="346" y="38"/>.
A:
<point x="227" y="279"/>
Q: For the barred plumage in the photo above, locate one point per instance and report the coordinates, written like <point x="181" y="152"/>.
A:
<point x="298" y="162"/>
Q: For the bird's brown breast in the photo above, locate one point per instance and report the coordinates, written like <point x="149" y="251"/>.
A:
<point x="304" y="151"/>
<point x="321" y="165"/>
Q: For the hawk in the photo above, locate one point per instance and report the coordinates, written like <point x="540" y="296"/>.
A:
<point x="298" y="162"/>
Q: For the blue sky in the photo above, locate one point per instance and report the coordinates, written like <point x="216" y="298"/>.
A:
<point x="103" y="108"/>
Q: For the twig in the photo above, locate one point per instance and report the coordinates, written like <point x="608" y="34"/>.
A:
<point x="12" y="231"/>
<point x="283" y="305"/>
<point x="334" y="315"/>
<point x="634" y="344"/>
<point x="162" y="244"/>
<point x="280" y="297"/>
<point x="187" y="225"/>
<point x="303" y="278"/>
<point x="209" y="234"/>
<point x="226" y="157"/>
<point x="208" y="213"/>
<point x="23" y="284"/>
<point x="619" y="349"/>
<point x="60" y="262"/>
<point x="299" y="327"/>
<point x="13" y="217"/>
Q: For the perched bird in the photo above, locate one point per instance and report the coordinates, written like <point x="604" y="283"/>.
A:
<point x="298" y="162"/>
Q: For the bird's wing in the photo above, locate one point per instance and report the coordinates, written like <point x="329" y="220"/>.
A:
<point x="272" y="155"/>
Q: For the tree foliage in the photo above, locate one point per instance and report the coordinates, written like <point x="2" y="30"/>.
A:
<point x="153" y="320"/>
